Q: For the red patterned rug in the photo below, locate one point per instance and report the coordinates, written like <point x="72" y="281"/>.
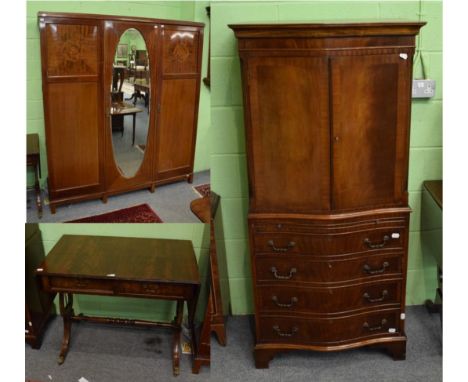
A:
<point x="136" y="214"/>
<point x="202" y="190"/>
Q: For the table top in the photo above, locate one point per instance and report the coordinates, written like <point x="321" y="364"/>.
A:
<point x="123" y="108"/>
<point x="123" y="258"/>
<point x="32" y="144"/>
<point x="434" y="187"/>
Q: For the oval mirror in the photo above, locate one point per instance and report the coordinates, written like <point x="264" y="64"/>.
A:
<point x="130" y="102"/>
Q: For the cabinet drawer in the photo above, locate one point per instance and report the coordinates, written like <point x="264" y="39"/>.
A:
<point x="160" y="290"/>
<point x="297" y="268"/>
<point x="77" y="285"/>
<point x="330" y="244"/>
<point x="327" y="331"/>
<point x="328" y="300"/>
<point x="329" y="238"/>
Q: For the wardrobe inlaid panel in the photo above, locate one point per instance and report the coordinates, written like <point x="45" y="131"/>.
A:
<point x="72" y="49"/>
<point x="180" y="51"/>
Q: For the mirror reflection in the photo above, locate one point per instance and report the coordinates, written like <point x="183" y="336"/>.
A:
<point x="130" y="92"/>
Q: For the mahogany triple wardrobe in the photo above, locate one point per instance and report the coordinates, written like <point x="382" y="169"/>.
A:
<point x="327" y="118"/>
<point x="91" y="65"/>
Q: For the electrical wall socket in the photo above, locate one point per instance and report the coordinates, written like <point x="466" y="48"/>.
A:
<point x="423" y="88"/>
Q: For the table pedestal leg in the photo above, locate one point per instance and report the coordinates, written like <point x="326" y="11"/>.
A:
<point x="133" y="141"/>
<point x="176" y="340"/>
<point x="66" y="310"/>
<point x="191" y="307"/>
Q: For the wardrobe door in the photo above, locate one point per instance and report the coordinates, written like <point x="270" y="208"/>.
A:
<point x="71" y="75"/>
<point x="370" y="125"/>
<point x="288" y="133"/>
<point x="131" y="62"/>
<point x="180" y="89"/>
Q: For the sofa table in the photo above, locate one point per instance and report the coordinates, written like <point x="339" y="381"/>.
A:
<point x="121" y="266"/>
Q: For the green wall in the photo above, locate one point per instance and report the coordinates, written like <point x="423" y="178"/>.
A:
<point x="124" y="307"/>
<point x="229" y="172"/>
<point x="178" y="10"/>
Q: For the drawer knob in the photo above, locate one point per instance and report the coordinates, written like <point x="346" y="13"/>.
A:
<point x="373" y="328"/>
<point x="370" y="271"/>
<point x="384" y="242"/>
<point x="278" y="331"/>
<point x="281" y="277"/>
<point x="283" y="305"/>
<point x="290" y="245"/>
<point x="379" y="299"/>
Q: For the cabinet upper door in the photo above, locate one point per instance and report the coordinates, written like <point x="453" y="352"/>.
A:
<point x="288" y="134"/>
<point x="370" y="126"/>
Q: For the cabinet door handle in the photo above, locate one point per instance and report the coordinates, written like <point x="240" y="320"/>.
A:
<point x="373" y="328"/>
<point x="271" y="243"/>
<point x="280" y="277"/>
<point x="282" y="305"/>
<point x="278" y="331"/>
<point x="370" y="271"/>
<point x="384" y="242"/>
<point x="379" y="299"/>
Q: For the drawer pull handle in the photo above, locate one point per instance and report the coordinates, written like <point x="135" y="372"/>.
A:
<point x="280" y="277"/>
<point x="373" y="328"/>
<point x="282" y="305"/>
<point x="386" y="238"/>
<point x="368" y="269"/>
<point x="81" y="283"/>
<point x="150" y="288"/>
<point x="293" y="331"/>
<point x="379" y="299"/>
<point x="281" y="249"/>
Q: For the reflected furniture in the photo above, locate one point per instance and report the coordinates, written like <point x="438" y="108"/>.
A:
<point x="39" y="306"/>
<point x="432" y="234"/>
<point x="327" y="117"/>
<point x="205" y="209"/>
<point x="118" y="266"/>
<point x="77" y="57"/>
<point x="33" y="159"/>
<point x="118" y="111"/>
<point x="141" y="89"/>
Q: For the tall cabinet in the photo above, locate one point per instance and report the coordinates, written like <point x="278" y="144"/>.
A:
<point x="77" y="55"/>
<point x="327" y="118"/>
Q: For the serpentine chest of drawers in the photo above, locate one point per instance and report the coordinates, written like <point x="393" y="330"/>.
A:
<point x="327" y="117"/>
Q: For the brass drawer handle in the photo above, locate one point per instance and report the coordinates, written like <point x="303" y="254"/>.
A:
<point x="271" y="243"/>
<point x="282" y="305"/>
<point x="150" y="288"/>
<point x="280" y="277"/>
<point x="379" y="299"/>
<point x="373" y="328"/>
<point x="81" y="283"/>
<point x="370" y="271"/>
<point x="386" y="238"/>
<point x="293" y="331"/>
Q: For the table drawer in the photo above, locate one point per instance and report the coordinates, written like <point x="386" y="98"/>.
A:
<point x="297" y="268"/>
<point x="160" y="290"/>
<point x="328" y="300"/>
<point x="327" y="331"/>
<point x="81" y="285"/>
<point x="329" y="238"/>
